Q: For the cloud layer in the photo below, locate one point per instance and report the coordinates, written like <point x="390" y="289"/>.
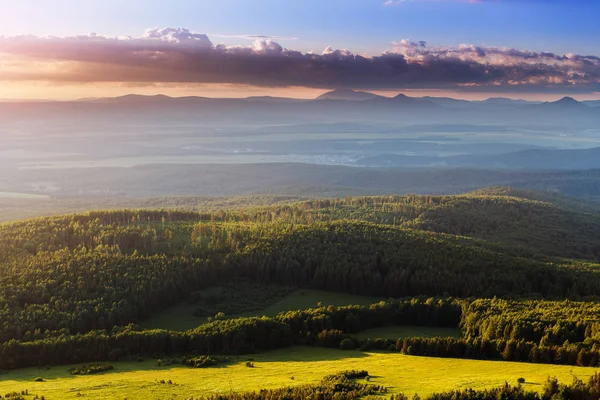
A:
<point x="180" y="56"/>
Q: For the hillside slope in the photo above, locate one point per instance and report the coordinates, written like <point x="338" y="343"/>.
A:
<point x="100" y="269"/>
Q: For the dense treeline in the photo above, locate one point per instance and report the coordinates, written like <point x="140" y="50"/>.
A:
<point x="99" y="270"/>
<point x="62" y="278"/>
<point x="325" y="326"/>
<point x="243" y="335"/>
<point x="340" y="386"/>
<point x="230" y="336"/>
<point x="527" y="222"/>
<point x="352" y="319"/>
<point x="365" y="258"/>
<point x="552" y="390"/>
<point x="78" y="291"/>
<point x="525" y="227"/>
<point x="541" y="321"/>
<point x="479" y="349"/>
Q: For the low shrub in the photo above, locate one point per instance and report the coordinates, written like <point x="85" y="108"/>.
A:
<point x="89" y="369"/>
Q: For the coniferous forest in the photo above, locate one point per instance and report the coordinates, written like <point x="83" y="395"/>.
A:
<point x="300" y="200"/>
<point x="516" y="273"/>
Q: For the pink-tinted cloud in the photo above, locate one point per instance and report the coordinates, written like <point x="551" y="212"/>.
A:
<point x="179" y="55"/>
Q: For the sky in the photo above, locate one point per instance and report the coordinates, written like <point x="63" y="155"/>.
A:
<point x="535" y="49"/>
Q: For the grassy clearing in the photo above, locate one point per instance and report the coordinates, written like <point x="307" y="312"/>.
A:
<point x="305" y="298"/>
<point x="178" y="318"/>
<point x="181" y="317"/>
<point x="395" y="332"/>
<point x="401" y="373"/>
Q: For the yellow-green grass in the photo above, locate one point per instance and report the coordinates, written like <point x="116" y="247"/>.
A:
<point x="395" y="332"/>
<point x="407" y="374"/>
<point x="181" y="317"/>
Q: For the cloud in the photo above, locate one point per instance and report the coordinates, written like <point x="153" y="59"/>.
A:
<point x="180" y="35"/>
<point x="254" y="37"/>
<point x="180" y="56"/>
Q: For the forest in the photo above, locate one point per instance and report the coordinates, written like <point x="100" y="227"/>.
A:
<point x="515" y="272"/>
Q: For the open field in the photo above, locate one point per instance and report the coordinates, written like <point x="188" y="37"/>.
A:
<point x="395" y="332"/>
<point x="305" y="298"/>
<point x="401" y="373"/>
<point x="181" y="317"/>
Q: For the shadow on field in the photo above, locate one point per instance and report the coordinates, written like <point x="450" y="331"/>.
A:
<point x="307" y="354"/>
<point x="297" y="354"/>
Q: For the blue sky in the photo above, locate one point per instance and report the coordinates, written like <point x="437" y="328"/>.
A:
<point x="362" y="25"/>
<point x="385" y="42"/>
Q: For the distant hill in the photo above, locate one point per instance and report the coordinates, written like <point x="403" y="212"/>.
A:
<point x="348" y="94"/>
<point x="535" y="159"/>
<point x="497" y="102"/>
<point x="592" y="103"/>
<point x="555" y="227"/>
<point x="449" y="102"/>
<point x="271" y="99"/>
<point x="414" y="101"/>
<point x="502" y="101"/>
<point x="530" y="159"/>
<point x="566" y="104"/>
<point x="334" y="106"/>
<point x="129" y="98"/>
<point x="558" y="199"/>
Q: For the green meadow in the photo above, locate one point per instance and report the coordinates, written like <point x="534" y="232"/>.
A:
<point x="181" y="317"/>
<point x="285" y="367"/>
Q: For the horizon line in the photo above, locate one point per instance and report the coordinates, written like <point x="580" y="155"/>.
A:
<point x="84" y="99"/>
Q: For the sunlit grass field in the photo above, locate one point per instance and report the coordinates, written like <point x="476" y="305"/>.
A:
<point x="285" y="367"/>
<point x="181" y="317"/>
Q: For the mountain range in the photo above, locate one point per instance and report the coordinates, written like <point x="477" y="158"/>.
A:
<point x="340" y="127"/>
<point x="335" y="106"/>
<point x="348" y="95"/>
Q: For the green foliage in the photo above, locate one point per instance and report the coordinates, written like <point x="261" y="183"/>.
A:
<point x="89" y="369"/>
<point x="22" y="395"/>
<point x="541" y="321"/>
<point x="237" y="297"/>
<point x="552" y="391"/>
<point x="341" y="386"/>
<point x="347" y="344"/>
<point x="68" y="284"/>
<point x="78" y="273"/>
<point x="204" y="361"/>
<point x="322" y="326"/>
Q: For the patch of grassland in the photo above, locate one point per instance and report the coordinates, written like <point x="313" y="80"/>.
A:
<point x="305" y="298"/>
<point x="395" y="332"/>
<point x="407" y="374"/>
<point x="181" y="317"/>
<point x="178" y="318"/>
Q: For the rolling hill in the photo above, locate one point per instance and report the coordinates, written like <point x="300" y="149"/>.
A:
<point x="131" y="263"/>
<point x="347" y="94"/>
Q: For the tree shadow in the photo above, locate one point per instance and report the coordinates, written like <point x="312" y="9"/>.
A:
<point x="288" y="354"/>
<point x="308" y="354"/>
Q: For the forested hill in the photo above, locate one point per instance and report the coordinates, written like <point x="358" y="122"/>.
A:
<point x="106" y="268"/>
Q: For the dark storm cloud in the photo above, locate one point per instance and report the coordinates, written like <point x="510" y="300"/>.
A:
<point x="178" y="55"/>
